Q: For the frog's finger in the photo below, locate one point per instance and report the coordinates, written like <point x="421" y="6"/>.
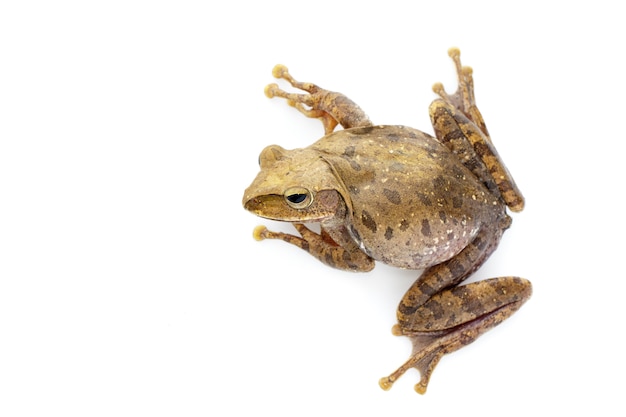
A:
<point x="280" y="71"/>
<point x="259" y="232"/>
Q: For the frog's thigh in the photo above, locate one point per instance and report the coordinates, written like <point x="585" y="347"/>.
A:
<point x="455" y="318"/>
<point x="475" y="150"/>
<point x="462" y="305"/>
<point x="459" y="135"/>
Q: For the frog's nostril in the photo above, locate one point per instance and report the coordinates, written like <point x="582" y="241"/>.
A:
<point x="252" y="204"/>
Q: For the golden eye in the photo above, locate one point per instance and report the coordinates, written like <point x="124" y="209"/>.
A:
<point x="298" y="197"/>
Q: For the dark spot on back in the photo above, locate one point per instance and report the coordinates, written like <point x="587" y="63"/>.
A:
<point x="349" y="152"/>
<point x="388" y="233"/>
<point x="440" y="182"/>
<point x="425" y="199"/>
<point x="368" y="221"/>
<point x="353" y="189"/>
<point x="457" y="202"/>
<point x="397" y="167"/>
<point x="354" y="165"/>
<point x="392" y="195"/>
<point x="458" y="172"/>
<point x="404" y="225"/>
<point x="442" y="216"/>
<point x="394" y="137"/>
<point x="425" y="227"/>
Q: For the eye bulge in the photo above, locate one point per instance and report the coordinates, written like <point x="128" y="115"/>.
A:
<point x="298" y="197"/>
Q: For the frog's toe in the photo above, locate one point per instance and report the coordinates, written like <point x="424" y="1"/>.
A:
<point x="385" y="383"/>
<point x="454" y="52"/>
<point x="279" y="71"/>
<point x="270" y="90"/>
<point x="396" y="330"/>
<point x="420" y="387"/>
<point x="440" y="91"/>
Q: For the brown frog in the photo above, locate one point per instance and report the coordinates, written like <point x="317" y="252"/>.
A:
<point x="400" y="196"/>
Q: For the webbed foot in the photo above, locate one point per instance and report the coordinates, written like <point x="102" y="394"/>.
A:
<point x="482" y="310"/>
<point x="463" y="98"/>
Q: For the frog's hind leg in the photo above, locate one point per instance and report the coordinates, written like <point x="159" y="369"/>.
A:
<point x="330" y="107"/>
<point x="482" y="306"/>
<point x="440" y="317"/>
<point x="459" y="125"/>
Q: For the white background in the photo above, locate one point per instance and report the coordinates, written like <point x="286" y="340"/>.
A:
<point x="129" y="280"/>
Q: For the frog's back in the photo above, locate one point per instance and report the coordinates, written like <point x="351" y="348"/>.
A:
<point x="413" y="203"/>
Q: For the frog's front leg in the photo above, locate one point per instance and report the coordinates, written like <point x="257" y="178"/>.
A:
<point x="337" y="251"/>
<point x="440" y="317"/>
<point x="330" y="107"/>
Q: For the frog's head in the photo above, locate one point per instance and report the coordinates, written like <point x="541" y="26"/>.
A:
<point x="295" y="186"/>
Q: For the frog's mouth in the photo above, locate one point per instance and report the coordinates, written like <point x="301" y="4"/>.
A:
<point x="271" y="207"/>
<point x="323" y="205"/>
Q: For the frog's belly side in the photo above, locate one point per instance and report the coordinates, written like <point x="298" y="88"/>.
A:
<point x="415" y="247"/>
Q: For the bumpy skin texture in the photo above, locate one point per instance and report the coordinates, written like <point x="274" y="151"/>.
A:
<point x="400" y="196"/>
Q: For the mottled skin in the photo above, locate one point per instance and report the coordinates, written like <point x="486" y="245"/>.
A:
<point x="400" y="196"/>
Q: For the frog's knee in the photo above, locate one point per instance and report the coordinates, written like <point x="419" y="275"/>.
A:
<point x="440" y="105"/>
<point x="441" y="111"/>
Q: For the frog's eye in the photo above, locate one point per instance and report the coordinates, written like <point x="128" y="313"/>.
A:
<point x="298" y="197"/>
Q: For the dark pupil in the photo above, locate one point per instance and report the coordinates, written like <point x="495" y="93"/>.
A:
<point x="296" y="198"/>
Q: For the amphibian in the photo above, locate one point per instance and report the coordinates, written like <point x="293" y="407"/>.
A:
<point x="400" y="196"/>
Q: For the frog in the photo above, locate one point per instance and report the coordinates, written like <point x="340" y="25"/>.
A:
<point x="403" y="197"/>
